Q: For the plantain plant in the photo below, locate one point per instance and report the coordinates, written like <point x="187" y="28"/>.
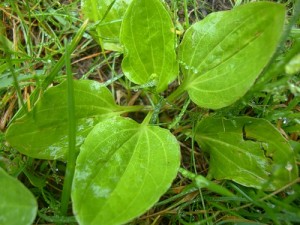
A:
<point x="119" y="168"/>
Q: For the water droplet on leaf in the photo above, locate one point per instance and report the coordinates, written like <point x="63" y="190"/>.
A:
<point x="289" y="166"/>
<point x="285" y="121"/>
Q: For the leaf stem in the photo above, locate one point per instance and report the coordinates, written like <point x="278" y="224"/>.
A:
<point x="72" y="154"/>
<point x="134" y="108"/>
<point x="147" y="118"/>
<point x="174" y="95"/>
<point x="57" y="219"/>
<point x="182" y="112"/>
<point x="158" y="106"/>
<point x="202" y="182"/>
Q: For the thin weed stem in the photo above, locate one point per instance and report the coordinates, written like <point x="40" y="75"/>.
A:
<point x="72" y="154"/>
<point x="186" y="14"/>
<point x="180" y="115"/>
<point x="202" y="182"/>
<point x="49" y="79"/>
<point x="12" y="71"/>
<point x="270" y="67"/>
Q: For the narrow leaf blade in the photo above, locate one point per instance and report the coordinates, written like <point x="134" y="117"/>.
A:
<point x="42" y="133"/>
<point x="149" y="42"/>
<point x="248" y="151"/>
<point x="122" y="170"/>
<point x="222" y="55"/>
<point x="18" y="205"/>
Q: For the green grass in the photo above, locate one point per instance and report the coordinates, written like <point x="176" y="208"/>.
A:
<point x="35" y="32"/>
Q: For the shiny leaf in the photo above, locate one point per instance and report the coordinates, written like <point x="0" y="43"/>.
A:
<point x="17" y="204"/>
<point x="43" y="132"/>
<point x="108" y="15"/>
<point x="147" y="34"/>
<point x="248" y="151"/>
<point x="222" y="55"/>
<point x="122" y="170"/>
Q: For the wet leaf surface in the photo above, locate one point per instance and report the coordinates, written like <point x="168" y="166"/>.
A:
<point x="122" y="170"/>
<point x="43" y="132"/>
<point x="147" y="34"/>
<point x="17" y="203"/>
<point x="222" y="55"/>
<point x="108" y="14"/>
<point x="248" y="151"/>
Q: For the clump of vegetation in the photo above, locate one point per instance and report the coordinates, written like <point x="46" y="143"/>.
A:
<point x="149" y="112"/>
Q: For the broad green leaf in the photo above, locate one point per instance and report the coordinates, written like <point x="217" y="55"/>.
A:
<point x="108" y="15"/>
<point x="122" y="170"/>
<point x="147" y="33"/>
<point x="222" y="55"/>
<point x="247" y="150"/>
<point x="43" y="132"/>
<point x="17" y="204"/>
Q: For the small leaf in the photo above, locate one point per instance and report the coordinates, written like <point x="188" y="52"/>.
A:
<point x="293" y="66"/>
<point x="109" y="15"/>
<point x="6" y="79"/>
<point x="222" y="55"/>
<point x="149" y="41"/>
<point x="122" y="170"/>
<point x="248" y="151"/>
<point x="43" y="132"/>
<point x="18" y="205"/>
